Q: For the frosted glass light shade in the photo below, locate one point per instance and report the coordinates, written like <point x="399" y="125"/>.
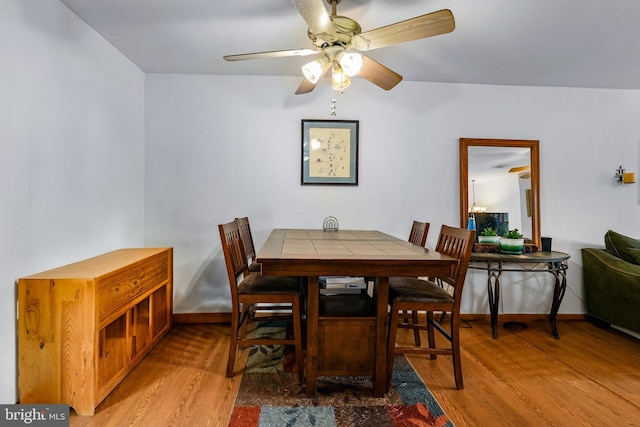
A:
<point x="350" y="62"/>
<point x="339" y="80"/>
<point x="313" y="70"/>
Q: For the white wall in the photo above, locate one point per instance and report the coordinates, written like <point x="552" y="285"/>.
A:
<point x="503" y="193"/>
<point x="71" y="151"/>
<point x="219" y="147"/>
<point x="74" y="181"/>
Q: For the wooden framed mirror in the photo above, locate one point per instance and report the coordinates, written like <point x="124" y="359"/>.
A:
<point x="500" y="183"/>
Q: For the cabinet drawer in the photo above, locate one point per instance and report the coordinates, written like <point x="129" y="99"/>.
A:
<point x="116" y="291"/>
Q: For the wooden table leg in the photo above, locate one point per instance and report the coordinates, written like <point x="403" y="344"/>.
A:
<point x="313" y="296"/>
<point x="380" y="383"/>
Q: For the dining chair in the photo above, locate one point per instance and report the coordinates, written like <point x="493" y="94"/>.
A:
<point x="247" y="241"/>
<point x="415" y="294"/>
<point x="417" y="236"/>
<point x="419" y="231"/>
<point x="256" y="298"/>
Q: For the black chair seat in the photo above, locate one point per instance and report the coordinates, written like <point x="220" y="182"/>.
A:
<point x="255" y="267"/>
<point x="410" y="289"/>
<point x="257" y="284"/>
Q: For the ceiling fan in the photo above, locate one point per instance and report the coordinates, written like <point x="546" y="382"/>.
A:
<point x="338" y="41"/>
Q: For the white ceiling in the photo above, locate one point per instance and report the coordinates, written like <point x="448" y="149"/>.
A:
<point x="570" y="43"/>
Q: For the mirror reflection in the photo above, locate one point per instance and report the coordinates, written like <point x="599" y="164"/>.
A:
<point x="499" y="185"/>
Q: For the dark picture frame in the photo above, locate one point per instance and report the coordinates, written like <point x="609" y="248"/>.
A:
<point x="329" y="152"/>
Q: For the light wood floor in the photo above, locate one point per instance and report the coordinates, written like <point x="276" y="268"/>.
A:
<point x="589" y="377"/>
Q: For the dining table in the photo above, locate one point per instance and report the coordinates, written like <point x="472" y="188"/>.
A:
<point x="346" y="333"/>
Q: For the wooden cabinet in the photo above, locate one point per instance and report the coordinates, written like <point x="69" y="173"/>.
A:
<point x="84" y="326"/>
<point x="346" y="335"/>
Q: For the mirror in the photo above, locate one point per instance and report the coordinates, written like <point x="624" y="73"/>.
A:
<point x="500" y="183"/>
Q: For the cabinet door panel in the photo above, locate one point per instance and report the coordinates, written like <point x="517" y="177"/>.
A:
<point x="112" y="356"/>
<point x="346" y="346"/>
<point x="160" y="306"/>
<point x="140" y="327"/>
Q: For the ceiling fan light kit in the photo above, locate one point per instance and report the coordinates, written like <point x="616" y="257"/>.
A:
<point x="339" y="79"/>
<point x="335" y="36"/>
<point x="350" y="62"/>
<point x="314" y="69"/>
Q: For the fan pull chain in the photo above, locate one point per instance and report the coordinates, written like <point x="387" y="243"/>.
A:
<point x="333" y="107"/>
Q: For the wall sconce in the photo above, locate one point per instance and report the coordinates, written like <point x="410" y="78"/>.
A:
<point x="624" y="178"/>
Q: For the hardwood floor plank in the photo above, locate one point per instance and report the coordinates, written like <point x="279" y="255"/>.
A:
<point x="182" y="383"/>
<point x="528" y="377"/>
<point x="589" y="377"/>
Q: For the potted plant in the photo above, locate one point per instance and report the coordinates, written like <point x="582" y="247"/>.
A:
<point x="488" y="235"/>
<point x="512" y="242"/>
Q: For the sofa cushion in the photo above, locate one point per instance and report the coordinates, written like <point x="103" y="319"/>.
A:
<point x="611" y="288"/>
<point x="635" y="254"/>
<point x="621" y="246"/>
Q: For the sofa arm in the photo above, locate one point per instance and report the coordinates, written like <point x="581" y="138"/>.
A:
<point x="611" y="288"/>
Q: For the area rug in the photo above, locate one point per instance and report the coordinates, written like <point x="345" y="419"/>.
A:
<point x="270" y="395"/>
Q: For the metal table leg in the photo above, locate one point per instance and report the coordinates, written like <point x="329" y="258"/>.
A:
<point x="493" y="288"/>
<point x="559" y="271"/>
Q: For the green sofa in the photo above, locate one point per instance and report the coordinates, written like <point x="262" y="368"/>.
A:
<point x="612" y="281"/>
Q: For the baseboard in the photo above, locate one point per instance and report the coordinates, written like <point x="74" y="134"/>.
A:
<point x="184" y="318"/>
<point x="470" y="317"/>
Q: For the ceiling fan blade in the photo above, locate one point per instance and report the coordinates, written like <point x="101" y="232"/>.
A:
<point x="420" y="27"/>
<point x="378" y="74"/>
<point x="317" y="18"/>
<point x="306" y="86"/>
<point x="271" y="54"/>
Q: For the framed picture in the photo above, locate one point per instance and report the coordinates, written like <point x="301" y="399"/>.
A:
<point x="330" y="152"/>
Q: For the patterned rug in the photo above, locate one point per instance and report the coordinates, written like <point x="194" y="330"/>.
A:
<point x="270" y="395"/>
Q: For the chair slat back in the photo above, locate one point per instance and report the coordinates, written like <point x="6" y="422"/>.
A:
<point x="247" y="238"/>
<point x="457" y="243"/>
<point x="419" y="231"/>
<point x="234" y="254"/>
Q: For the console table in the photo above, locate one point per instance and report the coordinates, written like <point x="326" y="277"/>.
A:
<point x="84" y="326"/>
<point x="495" y="263"/>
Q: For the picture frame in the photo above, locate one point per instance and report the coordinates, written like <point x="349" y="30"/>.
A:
<point x="329" y="152"/>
